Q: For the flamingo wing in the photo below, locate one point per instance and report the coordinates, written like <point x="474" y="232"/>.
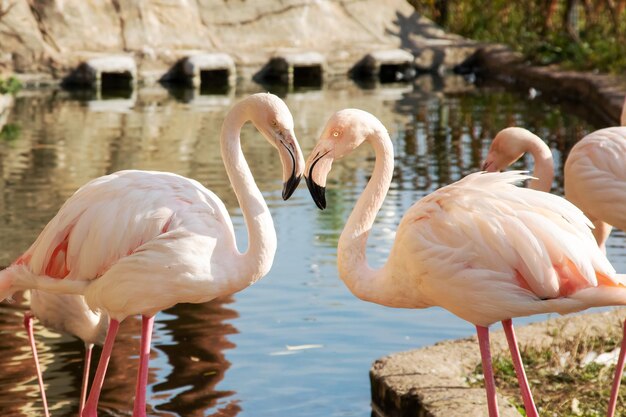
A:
<point x="111" y="217"/>
<point x="595" y="175"/>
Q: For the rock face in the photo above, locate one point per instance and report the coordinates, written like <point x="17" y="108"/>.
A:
<point x="54" y="36"/>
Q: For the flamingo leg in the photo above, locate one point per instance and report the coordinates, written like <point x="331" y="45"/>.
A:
<point x="28" y="324"/>
<point x="490" y="384"/>
<point x="85" y="384"/>
<point x="91" y="406"/>
<point x="139" y="409"/>
<point x="617" y="379"/>
<point x="527" y="396"/>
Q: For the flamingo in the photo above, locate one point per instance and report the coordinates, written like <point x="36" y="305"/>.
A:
<point x="481" y="247"/>
<point x="595" y="181"/>
<point x="137" y="242"/>
<point x="65" y="313"/>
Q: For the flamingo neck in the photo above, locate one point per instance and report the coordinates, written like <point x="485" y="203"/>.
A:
<point x="256" y="261"/>
<point x="365" y="282"/>
<point x="544" y="164"/>
<point x="623" y="118"/>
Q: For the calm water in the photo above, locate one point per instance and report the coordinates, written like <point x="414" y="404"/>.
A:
<point x="235" y="356"/>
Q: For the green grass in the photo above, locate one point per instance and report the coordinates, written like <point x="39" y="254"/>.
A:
<point x="560" y="384"/>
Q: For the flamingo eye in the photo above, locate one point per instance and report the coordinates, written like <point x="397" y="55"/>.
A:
<point x="274" y="123"/>
<point x="335" y="134"/>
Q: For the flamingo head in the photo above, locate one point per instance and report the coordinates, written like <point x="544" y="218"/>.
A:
<point x="275" y="122"/>
<point x="508" y="146"/>
<point x="343" y="133"/>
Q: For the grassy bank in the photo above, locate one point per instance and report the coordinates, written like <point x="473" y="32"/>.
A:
<point x="567" y="380"/>
<point x="576" y="34"/>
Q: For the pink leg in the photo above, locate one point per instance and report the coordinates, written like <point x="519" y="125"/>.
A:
<point x="527" y="396"/>
<point x="28" y="324"/>
<point x="139" y="409"/>
<point x="85" y="384"/>
<point x="91" y="406"/>
<point x="490" y="385"/>
<point x="617" y="379"/>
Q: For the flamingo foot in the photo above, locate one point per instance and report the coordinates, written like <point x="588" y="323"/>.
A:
<point x="527" y="396"/>
<point x="490" y="384"/>
<point x="617" y="379"/>
<point x="28" y="324"/>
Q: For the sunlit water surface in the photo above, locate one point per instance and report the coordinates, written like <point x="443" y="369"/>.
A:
<point x="236" y="356"/>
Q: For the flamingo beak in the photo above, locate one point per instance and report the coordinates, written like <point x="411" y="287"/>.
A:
<point x="318" y="193"/>
<point x="489" y="166"/>
<point x="290" y="186"/>
<point x="317" y="169"/>
<point x="293" y="163"/>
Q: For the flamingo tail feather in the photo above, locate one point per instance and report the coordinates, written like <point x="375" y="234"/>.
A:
<point x="18" y="278"/>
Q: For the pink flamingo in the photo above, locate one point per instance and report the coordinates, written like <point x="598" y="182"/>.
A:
<point x="137" y="242"/>
<point x="65" y="313"/>
<point x="481" y="248"/>
<point x="595" y="181"/>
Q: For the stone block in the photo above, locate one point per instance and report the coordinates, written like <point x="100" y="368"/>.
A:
<point x="305" y="68"/>
<point x="214" y="68"/>
<point x="108" y="71"/>
<point x="388" y="65"/>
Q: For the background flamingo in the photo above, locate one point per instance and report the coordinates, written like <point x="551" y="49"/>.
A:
<point x="481" y="248"/>
<point x="70" y="314"/>
<point x="595" y="181"/>
<point x="137" y="242"/>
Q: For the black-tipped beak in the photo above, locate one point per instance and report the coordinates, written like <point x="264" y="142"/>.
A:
<point x="317" y="192"/>
<point x="486" y="165"/>
<point x="290" y="186"/>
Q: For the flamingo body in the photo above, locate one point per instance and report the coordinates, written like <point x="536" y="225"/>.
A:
<point x="488" y="251"/>
<point x="129" y="268"/>
<point x="69" y="314"/>
<point x="595" y="178"/>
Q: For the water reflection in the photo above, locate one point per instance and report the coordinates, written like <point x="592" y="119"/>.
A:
<point x="222" y="358"/>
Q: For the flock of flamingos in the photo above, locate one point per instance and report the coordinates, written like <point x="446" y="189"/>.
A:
<point x="137" y="242"/>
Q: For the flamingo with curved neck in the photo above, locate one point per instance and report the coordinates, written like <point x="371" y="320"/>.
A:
<point x="65" y="313"/>
<point x="595" y="181"/>
<point x="481" y="248"/>
<point x="511" y="144"/>
<point x="137" y="242"/>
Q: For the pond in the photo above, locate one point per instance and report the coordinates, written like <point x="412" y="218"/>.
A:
<point x="297" y="343"/>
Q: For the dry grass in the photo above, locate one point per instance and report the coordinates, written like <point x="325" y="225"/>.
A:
<point x="562" y="382"/>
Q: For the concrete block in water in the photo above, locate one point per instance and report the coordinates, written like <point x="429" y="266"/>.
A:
<point x="117" y="70"/>
<point x="303" y="68"/>
<point x="386" y="65"/>
<point x="208" y="68"/>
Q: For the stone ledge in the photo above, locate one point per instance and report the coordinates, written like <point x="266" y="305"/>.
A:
<point x="603" y="93"/>
<point x="431" y="382"/>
